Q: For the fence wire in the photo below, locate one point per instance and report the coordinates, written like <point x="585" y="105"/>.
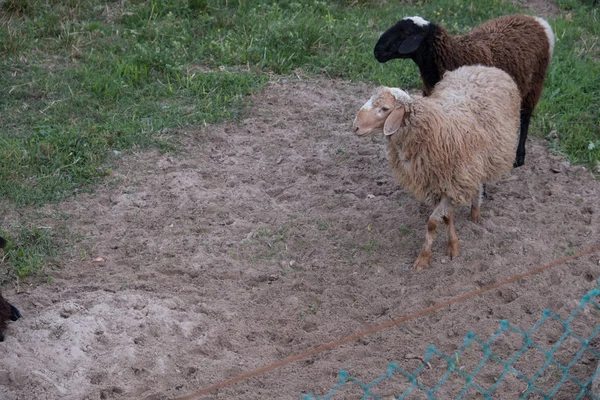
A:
<point x="555" y="359"/>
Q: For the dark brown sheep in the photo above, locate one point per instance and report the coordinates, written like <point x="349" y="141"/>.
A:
<point x="7" y="310"/>
<point x="521" y="45"/>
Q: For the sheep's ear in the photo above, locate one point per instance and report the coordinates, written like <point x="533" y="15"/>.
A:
<point x="411" y="43"/>
<point x="394" y="121"/>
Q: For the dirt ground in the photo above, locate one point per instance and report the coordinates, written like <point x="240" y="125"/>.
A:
<point x="543" y="8"/>
<point x="279" y="233"/>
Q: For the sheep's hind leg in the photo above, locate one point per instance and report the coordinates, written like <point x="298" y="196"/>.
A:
<point x="476" y="205"/>
<point x="452" y="237"/>
<point x="524" y="128"/>
<point x="440" y="212"/>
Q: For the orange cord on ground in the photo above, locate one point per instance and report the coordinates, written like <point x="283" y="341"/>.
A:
<point x="389" y="324"/>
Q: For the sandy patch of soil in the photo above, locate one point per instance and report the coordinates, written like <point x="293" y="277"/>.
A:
<point x="543" y="8"/>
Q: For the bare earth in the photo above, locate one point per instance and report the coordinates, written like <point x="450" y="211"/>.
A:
<point x="279" y="233"/>
<point x="543" y="8"/>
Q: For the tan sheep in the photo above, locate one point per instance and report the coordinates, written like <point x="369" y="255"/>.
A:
<point x="445" y="146"/>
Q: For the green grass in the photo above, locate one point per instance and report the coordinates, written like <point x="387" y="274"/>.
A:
<point x="80" y="79"/>
<point x="369" y="247"/>
<point x="570" y="105"/>
<point x="28" y="251"/>
<point x="266" y="244"/>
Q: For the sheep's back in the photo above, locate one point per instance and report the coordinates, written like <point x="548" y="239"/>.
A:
<point x="462" y="135"/>
<point x="517" y="44"/>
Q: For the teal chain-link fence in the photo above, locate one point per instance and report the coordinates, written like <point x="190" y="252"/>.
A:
<point x="556" y="359"/>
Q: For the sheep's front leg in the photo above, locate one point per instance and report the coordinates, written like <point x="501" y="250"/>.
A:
<point x="441" y="211"/>
<point x="476" y="204"/>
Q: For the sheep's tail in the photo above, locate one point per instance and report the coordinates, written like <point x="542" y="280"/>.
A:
<point x="549" y="34"/>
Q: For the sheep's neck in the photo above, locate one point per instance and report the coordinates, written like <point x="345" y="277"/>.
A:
<point x="443" y="53"/>
<point x="426" y="60"/>
<point x="397" y="155"/>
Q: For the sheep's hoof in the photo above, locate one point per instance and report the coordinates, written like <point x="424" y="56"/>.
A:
<point x="421" y="263"/>
<point x="519" y="162"/>
<point x="475" y="215"/>
<point x="452" y="249"/>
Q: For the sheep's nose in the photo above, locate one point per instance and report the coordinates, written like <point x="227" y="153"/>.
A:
<point x="355" y="129"/>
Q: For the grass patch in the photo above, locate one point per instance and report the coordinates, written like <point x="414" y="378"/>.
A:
<point x="369" y="247"/>
<point x="570" y="106"/>
<point x="81" y="79"/>
<point x="266" y="244"/>
<point x="27" y="252"/>
<point x="404" y="229"/>
<point x="322" y="225"/>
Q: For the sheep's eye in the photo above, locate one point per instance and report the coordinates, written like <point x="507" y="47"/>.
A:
<point x="384" y="109"/>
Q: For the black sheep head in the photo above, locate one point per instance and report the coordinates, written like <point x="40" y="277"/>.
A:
<point x="2" y="242"/>
<point x="402" y="40"/>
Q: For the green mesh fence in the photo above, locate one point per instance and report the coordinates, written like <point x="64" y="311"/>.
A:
<point x="564" y="353"/>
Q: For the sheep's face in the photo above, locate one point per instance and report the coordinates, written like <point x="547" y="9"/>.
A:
<point x="401" y="40"/>
<point x="372" y="116"/>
